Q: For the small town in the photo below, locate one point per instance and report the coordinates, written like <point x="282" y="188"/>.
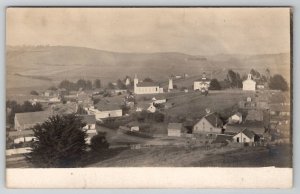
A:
<point x="179" y="120"/>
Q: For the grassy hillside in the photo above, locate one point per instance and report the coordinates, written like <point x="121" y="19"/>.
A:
<point x="47" y="65"/>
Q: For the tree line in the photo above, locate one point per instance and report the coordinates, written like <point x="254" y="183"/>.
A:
<point x="80" y="84"/>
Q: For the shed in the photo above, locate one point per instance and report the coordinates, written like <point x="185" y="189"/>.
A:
<point x="174" y="129"/>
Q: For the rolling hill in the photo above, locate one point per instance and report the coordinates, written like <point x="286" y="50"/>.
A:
<point x="43" y="66"/>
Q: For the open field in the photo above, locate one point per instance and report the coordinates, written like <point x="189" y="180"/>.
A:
<point x="179" y="156"/>
<point x="198" y="157"/>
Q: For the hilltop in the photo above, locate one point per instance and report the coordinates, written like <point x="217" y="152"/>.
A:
<point x="48" y="65"/>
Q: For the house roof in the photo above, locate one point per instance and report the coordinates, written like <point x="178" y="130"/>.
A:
<point x="238" y="114"/>
<point x="88" y="119"/>
<point x="248" y="133"/>
<point x="255" y="115"/>
<point x="255" y="126"/>
<point x="32" y="117"/>
<point x="67" y="108"/>
<point x="105" y="105"/>
<point x="176" y="126"/>
<point x="20" y="133"/>
<point x="214" y="120"/>
<point x="147" y="84"/>
<point x="203" y="79"/>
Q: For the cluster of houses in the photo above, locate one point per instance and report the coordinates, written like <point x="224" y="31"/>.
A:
<point x="246" y="127"/>
<point x="236" y="130"/>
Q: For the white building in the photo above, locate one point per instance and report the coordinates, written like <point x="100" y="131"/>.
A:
<point x="249" y="84"/>
<point x="90" y="121"/>
<point x="105" y="112"/>
<point x="236" y="118"/>
<point x="151" y="108"/>
<point x="146" y="87"/>
<point x="170" y="87"/>
<point x="202" y="84"/>
<point x="245" y="136"/>
<point x="174" y="129"/>
<point x="127" y="81"/>
<point x="209" y="124"/>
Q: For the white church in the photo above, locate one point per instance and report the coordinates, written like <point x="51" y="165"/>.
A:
<point x="249" y="84"/>
<point x="146" y="87"/>
<point x="202" y="84"/>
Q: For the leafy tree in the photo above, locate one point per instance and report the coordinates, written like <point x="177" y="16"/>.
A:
<point x="60" y="142"/>
<point x="81" y="83"/>
<point x="159" y="117"/>
<point x="88" y="85"/>
<point x="121" y="84"/>
<point x="99" y="142"/>
<point x="234" y="79"/>
<point x="97" y="83"/>
<point x="81" y="110"/>
<point x="35" y="93"/>
<point x="277" y="82"/>
<point x="215" y="85"/>
<point x="110" y="85"/>
<point x="53" y="88"/>
<point x="70" y="86"/>
<point x="255" y="73"/>
<point x="148" y="79"/>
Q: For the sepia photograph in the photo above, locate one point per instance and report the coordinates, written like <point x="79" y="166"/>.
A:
<point x="148" y="88"/>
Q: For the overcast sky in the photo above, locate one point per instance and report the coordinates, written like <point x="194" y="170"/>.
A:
<point x="200" y="31"/>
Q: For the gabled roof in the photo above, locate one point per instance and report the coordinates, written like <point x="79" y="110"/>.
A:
<point x="255" y="115"/>
<point x="238" y="114"/>
<point x="104" y="105"/>
<point x="20" y="133"/>
<point x="88" y="119"/>
<point x="31" y="118"/>
<point x="203" y="79"/>
<point x="214" y="119"/>
<point x="255" y="126"/>
<point x="248" y="133"/>
<point x="147" y="84"/>
<point x="176" y="126"/>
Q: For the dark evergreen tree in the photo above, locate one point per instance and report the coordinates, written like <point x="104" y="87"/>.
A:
<point x="60" y="142"/>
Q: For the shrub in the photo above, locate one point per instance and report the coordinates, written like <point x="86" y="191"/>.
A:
<point x="35" y="93"/>
<point x="99" y="142"/>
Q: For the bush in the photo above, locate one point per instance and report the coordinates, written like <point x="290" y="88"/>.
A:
<point x="277" y="82"/>
<point x="215" y="85"/>
<point x="99" y="142"/>
<point x="35" y="93"/>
